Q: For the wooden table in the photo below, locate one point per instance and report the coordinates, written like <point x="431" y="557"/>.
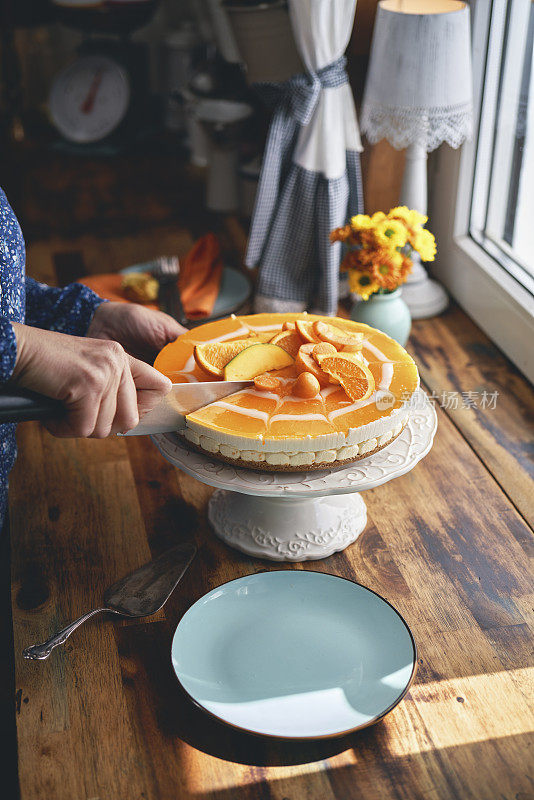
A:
<point x="447" y="544"/>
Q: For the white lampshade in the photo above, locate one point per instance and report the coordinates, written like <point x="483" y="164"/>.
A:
<point x="419" y="85"/>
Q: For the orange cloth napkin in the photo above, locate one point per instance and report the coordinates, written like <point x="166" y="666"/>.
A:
<point x="200" y="277"/>
<point x="199" y="280"/>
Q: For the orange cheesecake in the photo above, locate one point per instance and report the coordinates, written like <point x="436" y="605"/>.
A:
<point x="331" y="391"/>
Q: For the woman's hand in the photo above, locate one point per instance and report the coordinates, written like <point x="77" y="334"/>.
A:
<point x="104" y="389"/>
<point x="141" y="331"/>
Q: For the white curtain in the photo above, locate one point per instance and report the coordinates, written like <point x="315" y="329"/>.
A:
<point x="310" y="181"/>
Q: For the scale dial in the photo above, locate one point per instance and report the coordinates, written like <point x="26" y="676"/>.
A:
<point x="89" y="99"/>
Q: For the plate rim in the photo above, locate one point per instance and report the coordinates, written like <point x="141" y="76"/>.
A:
<point x="319" y="737"/>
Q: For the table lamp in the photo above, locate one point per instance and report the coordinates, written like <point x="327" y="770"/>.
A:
<point x="418" y="94"/>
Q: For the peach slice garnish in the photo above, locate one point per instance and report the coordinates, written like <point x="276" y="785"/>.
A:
<point x="337" y="337"/>
<point x="354" y="376"/>
<point x="254" y="360"/>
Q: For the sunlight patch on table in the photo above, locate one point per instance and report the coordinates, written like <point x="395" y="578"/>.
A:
<point x="463" y="711"/>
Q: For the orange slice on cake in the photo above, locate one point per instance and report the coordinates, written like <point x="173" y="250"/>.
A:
<point x="213" y="357"/>
<point x="354" y="376"/>
<point x="289" y="340"/>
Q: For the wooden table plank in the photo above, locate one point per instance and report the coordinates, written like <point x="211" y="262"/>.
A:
<point x="455" y="357"/>
<point x="76" y="527"/>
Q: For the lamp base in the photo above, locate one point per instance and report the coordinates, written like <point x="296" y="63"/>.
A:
<point x="425" y="297"/>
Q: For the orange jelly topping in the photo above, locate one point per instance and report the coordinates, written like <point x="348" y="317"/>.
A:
<point x="261" y="412"/>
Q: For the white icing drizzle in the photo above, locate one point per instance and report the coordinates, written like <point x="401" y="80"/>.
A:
<point x="291" y="398"/>
<point x="299" y="417"/>
<point x="265" y="327"/>
<point x="246" y="412"/>
<point x="230" y="335"/>
<point x="387" y="370"/>
<point x="259" y="393"/>
<point x="189" y="365"/>
<point x="328" y="390"/>
<point x="378" y="353"/>
<point x="387" y="376"/>
<point x="352" y="407"/>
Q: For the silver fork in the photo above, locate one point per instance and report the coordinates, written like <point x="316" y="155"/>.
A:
<point x="166" y="270"/>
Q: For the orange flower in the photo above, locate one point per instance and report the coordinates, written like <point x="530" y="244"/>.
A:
<point x="351" y="261"/>
<point x="340" y="234"/>
<point x="367" y="256"/>
<point x="368" y="239"/>
<point x="406" y="268"/>
<point x="386" y="268"/>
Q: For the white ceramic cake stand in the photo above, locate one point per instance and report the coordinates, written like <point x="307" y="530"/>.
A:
<point x="299" y="516"/>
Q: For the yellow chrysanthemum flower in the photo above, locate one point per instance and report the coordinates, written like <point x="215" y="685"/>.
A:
<point x="412" y="218"/>
<point x="377" y="217"/>
<point x="361" y="222"/>
<point x="425" y="244"/>
<point x="391" y="233"/>
<point x="361" y="283"/>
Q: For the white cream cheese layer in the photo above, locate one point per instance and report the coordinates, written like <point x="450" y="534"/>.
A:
<point x="293" y="458"/>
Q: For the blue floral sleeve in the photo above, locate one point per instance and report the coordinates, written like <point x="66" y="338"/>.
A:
<point x="67" y="310"/>
<point x="8" y="349"/>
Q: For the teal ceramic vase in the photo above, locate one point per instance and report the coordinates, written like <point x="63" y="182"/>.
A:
<point x="387" y="312"/>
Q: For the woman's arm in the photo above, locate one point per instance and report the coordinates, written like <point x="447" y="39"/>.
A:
<point x="68" y="310"/>
<point x="103" y="389"/>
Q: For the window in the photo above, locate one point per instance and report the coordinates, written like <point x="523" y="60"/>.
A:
<point x="486" y="246"/>
<point x="502" y="208"/>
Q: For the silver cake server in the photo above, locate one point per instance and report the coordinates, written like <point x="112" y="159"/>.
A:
<point x="139" y="594"/>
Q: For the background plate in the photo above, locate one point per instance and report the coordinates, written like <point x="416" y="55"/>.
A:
<point x="294" y="654"/>
<point x="234" y="290"/>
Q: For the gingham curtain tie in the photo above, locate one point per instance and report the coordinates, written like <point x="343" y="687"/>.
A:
<point x="294" y="104"/>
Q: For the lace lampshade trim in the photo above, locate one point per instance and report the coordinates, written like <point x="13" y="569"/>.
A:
<point x="425" y="126"/>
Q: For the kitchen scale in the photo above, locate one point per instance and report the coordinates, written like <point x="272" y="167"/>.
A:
<point x="300" y="516"/>
<point x="101" y="97"/>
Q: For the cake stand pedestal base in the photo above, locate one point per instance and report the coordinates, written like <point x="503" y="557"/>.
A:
<point x="285" y="528"/>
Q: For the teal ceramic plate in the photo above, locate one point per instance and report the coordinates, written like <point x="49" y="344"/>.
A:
<point x="294" y="654"/>
<point x="234" y="290"/>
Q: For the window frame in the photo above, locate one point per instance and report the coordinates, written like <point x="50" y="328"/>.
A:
<point x="468" y="264"/>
